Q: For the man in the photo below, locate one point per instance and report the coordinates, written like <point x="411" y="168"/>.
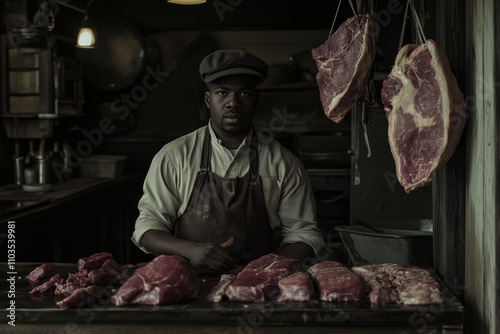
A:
<point x="223" y="195"/>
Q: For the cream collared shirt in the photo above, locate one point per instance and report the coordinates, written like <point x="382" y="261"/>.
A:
<point x="287" y="190"/>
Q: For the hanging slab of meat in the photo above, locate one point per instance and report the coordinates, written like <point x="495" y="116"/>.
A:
<point x="296" y="287"/>
<point x="258" y="281"/>
<point x="426" y="112"/>
<point x="164" y="280"/>
<point x="336" y="282"/>
<point x="344" y="62"/>
<point x="40" y="272"/>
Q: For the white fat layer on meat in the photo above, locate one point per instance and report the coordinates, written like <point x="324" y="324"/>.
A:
<point x="406" y="97"/>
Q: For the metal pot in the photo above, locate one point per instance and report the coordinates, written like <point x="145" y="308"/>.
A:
<point x="119" y="57"/>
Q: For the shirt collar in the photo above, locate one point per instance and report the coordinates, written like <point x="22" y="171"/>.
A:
<point x="243" y="144"/>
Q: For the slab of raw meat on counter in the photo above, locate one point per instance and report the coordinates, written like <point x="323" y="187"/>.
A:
<point x="297" y="287"/>
<point x="336" y="282"/>
<point x="426" y="112"/>
<point x="81" y="297"/>
<point x="40" y="272"/>
<point x="393" y="283"/>
<point x="257" y="281"/>
<point x="344" y="62"/>
<point x="164" y="280"/>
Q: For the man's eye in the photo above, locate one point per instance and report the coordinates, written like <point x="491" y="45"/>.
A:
<point x="221" y="93"/>
<point x="245" y="93"/>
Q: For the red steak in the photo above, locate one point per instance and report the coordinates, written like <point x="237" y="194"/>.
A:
<point x="258" y="281"/>
<point x="164" y="280"/>
<point x="426" y="112"/>
<point x="336" y="282"/>
<point x="296" y="287"/>
<point x="344" y="62"/>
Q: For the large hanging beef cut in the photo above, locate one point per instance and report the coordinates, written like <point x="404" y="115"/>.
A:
<point x="426" y="112"/>
<point x="344" y="62"/>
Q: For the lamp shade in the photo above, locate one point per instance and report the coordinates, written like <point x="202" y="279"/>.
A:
<point x="86" y="35"/>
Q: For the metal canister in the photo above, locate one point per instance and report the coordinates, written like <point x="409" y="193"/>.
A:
<point x="18" y="170"/>
<point x="41" y="167"/>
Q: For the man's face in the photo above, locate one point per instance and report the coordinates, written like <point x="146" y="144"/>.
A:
<point x="232" y="102"/>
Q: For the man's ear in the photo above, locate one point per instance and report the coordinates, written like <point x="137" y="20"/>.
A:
<point x="207" y="99"/>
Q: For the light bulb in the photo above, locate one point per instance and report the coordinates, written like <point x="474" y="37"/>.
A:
<point x="86" y="38"/>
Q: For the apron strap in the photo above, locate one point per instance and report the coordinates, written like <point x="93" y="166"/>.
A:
<point x="205" y="160"/>
<point x="254" y="158"/>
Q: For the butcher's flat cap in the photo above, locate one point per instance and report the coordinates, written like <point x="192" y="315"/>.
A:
<point x="223" y="63"/>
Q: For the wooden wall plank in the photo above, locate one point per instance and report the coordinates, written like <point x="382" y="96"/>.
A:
<point x="481" y="297"/>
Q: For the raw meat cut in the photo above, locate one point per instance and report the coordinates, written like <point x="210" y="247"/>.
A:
<point x="72" y="283"/>
<point x="219" y="291"/>
<point x="344" y="62"/>
<point x="80" y="297"/>
<point x="296" y="287"/>
<point x="50" y="285"/>
<point x="426" y="112"/>
<point x="86" y="264"/>
<point x="394" y="283"/>
<point x="258" y="281"/>
<point x="40" y="272"/>
<point x="379" y="283"/>
<point x="105" y="274"/>
<point x="336" y="282"/>
<point x="164" y="280"/>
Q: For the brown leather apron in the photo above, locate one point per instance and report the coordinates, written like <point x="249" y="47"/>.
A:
<point x="219" y="208"/>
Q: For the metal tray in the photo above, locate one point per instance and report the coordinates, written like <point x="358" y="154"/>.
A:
<point x="405" y="247"/>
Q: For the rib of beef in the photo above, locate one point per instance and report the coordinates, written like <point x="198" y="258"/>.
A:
<point x="297" y="287"/>
<point x="258" y="281"/>
<point x="426" y="112"/>
<point x="344" y="62"/>
<point x="336" y="282"/>
<point x="164" y="280"/>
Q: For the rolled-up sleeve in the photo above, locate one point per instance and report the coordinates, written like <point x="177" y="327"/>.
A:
<point x="297" y="210"/>
<point x="158" y="206"/>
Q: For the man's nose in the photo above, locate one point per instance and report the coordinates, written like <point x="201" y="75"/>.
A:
<point x="233" y="102"/>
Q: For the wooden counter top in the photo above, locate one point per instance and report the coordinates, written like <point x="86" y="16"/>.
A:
<point x="39" y="313"/>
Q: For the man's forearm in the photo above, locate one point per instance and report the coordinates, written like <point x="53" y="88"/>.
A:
<point x="162" y="242"/>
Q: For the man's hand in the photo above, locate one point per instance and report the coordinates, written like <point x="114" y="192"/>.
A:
<point x="204" y="257"/>
<point x="213" y="258"/>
